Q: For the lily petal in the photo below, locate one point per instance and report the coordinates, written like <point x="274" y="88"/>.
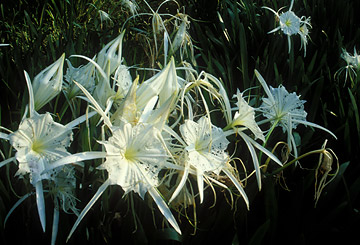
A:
<point x="164" y="209"/>
<point x="98" y="193"/>
<point x="40" y="203"/>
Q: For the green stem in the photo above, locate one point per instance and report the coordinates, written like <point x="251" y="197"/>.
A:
<point x="227" y="127"/>
<point x="267" y="137"/>
<point x="295" y="160"/>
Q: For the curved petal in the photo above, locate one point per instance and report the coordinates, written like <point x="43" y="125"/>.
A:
<point x="99" y="192"/>
<point x="180" y="185"/>
<point x="238" y="186"/>
<point x="40" y="203"/>
<point x="164" y="209"/>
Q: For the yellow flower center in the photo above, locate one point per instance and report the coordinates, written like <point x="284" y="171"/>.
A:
<point x="37" y="146"/>
<point x="130" y="154"/>
<point x="288" y="22"/>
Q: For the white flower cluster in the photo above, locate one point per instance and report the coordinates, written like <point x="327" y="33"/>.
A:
<point x="173" y="127"/>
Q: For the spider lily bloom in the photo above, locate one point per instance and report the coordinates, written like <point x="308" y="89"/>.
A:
<point x="39" y="141"/>
<point x="48" y="83"/>
<point x="158" y="24"/>
<point x="131" y="5"/>
<point x="134" y="157"/>
<point x="304" y="33"/>
<point x="205" y="146"/>
<point x="285" y="109"/>
<point x="352" y="64"/>
<point x="104" y="17"/>
<point x="82" y="74"/>
<point x="182" y="38"/>
<point x="289" y="23"/>
<point x="245" y="117"/>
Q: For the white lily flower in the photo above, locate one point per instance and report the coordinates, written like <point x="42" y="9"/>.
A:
<point x="108" y="61"/>
<point x="134" y="157"/>
<point x="245" y="116"/>
<point x="304" y="33"/>
<point x="205" y="148"/>
<point x="104" y="17"/>
<point x="48" y="83"/>
<point x="290" y="24"/>
<point x="285" y="109"/>
<point x="131" y="5"/>
<point x="39" y="141"/>
<point x="352" y="64"/>
<point x="206" y="145"/>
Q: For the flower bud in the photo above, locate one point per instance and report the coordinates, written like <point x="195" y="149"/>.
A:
<point x="48" y="83"/>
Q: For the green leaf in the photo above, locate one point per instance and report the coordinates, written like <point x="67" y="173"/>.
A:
<point x="244" y="57"/>
<point x="355" y="110"/>
<point x="260" y="233"/>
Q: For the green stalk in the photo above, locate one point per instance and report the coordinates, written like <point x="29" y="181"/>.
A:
<point x="267" y="138"/>
<point x="320" y="151"/>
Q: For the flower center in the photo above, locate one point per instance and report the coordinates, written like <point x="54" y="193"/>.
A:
<point x="288" y="22"/>
<point x="130" y="154"/>
<point x="37" y="146"/>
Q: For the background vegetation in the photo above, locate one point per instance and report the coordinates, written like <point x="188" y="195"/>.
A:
<point x="231" y="41"/>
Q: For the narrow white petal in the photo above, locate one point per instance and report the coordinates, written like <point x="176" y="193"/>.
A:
<point x="291" y="5"/>
<point x="40" y="204"/>
<point x="261" y="148"/>
<point x="200" y="183"/>
<point x="103" y="74"/>
<point x="264" y="7"/>
<point x="164" y="209"/>
<point x="255" y="160"/>
<point x="31" y="94"/>
<point x="315" y="126"/>
<point x="238" y="186"/>
<point x="274" y="30"/>
<point x="148" y="109"/>
<point x="180" y="185"/>
<point x="16" y="205"/>
<point x="55" y="226"/>
<point x="99" y="192"/>
<point x="79" y="120"/>
<point x="264" y="85"/>
<point x="96" y="104"/>
<point x="4" y="136"/>
<point x="78" y="157"/>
